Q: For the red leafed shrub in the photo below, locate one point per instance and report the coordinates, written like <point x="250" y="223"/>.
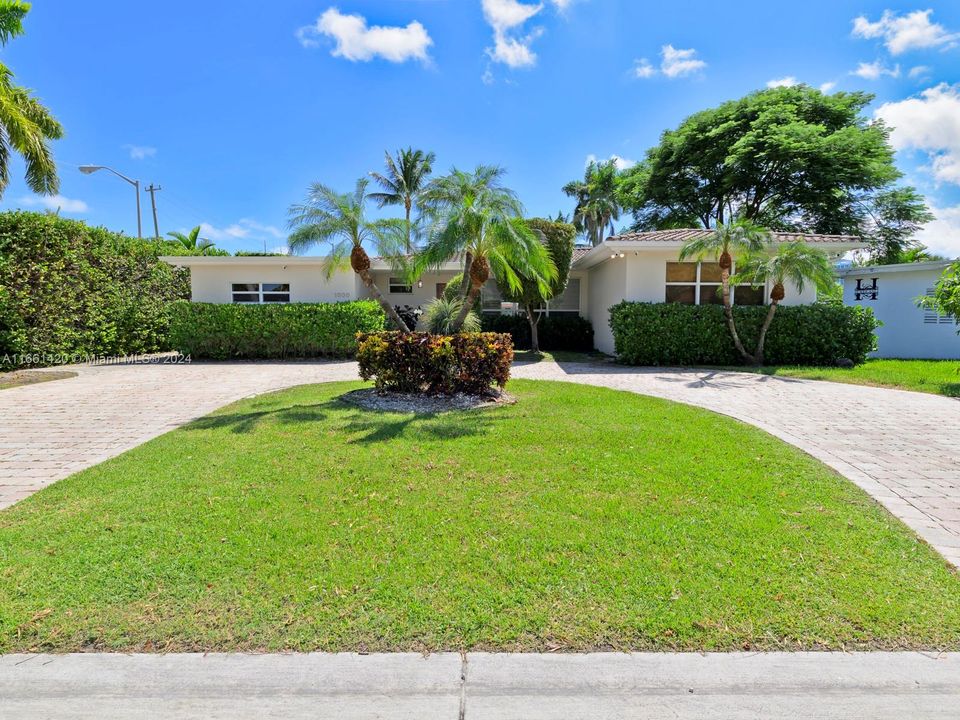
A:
<point x="440" y="364"/>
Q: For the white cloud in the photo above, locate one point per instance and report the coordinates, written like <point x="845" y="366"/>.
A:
<point x="827" y="87"/>
<point x="919" y="72"/>
<point x="244" y="229"/>
<point x="942" y="235"/>
<point x="55" y="203"/>
<point x="930" y="123"/>
<point x="875" y="70"/>
<point x="140" y="152"/>
<point x="901" y="33"/>
<point x="621" y="163"/>
<point x="487" y="77"/>
<point x="674" y="63"/>
<point x="787" y="81"/>
<point x="357" y="42"/>
<point x="505" y="17"/>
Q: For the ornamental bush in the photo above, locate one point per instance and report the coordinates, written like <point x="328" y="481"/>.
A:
<point x="439" y="364"/>
<point x="556" y="332"/>
<point x="68" y="290"/>
<point x="271" y="331"/>
<point x="674" y="334"/>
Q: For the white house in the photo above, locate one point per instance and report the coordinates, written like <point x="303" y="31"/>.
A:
<point x="908" y="331"/>
<point x="632" y="266"/>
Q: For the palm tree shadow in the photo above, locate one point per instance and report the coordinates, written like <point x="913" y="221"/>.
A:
<point x="374" y="426"/>
<point x="247" y="422"/>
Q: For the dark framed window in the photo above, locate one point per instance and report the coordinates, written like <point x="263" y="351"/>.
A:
<point x="258" y="293"/>
<point x="692" y="283"/>
<point x="396" y="286"/>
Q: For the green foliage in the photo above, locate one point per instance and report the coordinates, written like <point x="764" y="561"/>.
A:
<point x="193" y="242"/>
<point x="420" y="362"/>
<point x="597" y="203"/>
<point x="67" y="289"/>
<point x="441" y="314"/>
<point x="281" y="330"/>
<point x="946" y="294"/>
<point x="254" y="253"/>
<point x="786" y="158"/>
<point x="405" y="178"/>
<point x="675" y="334"/>
<point x="558" y="239"/>
<point x="557" y="332"/>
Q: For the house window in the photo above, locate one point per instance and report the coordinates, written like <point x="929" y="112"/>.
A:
<point x="932" y="317"/>
<point x="692" y="283"/>
<point x="258" y="293"/>
<point x="490" y="298"/>
<point x="568" y="302"/>
<point x="399" y="287"/>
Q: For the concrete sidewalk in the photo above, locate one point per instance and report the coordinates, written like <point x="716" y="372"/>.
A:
<point x="481" y="685"/>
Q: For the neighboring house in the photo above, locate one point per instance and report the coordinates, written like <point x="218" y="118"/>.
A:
<point x="908" y="331"/>
<point x="632" y="266"/>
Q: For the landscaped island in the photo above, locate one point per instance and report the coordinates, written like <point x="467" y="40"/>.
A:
<point x="579" y="518"/>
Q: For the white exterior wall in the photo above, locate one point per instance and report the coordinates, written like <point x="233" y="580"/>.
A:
<point x="420" y="295"/>
<point x="904" y="333"/>
<point x="605" y="289"/>
<point x="212" y="283"/>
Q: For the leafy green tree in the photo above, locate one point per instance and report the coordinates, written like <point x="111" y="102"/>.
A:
<point x="946" y="294"/>
<point x="340" y="220"/>
<point x="789" y="158"/>
<point x="740" y="236"/>
<point x="192" y="241"/>
<point x="26" y="126"/>
<point x="797" y="263"/>
<point x="558" y="238"/>
<point x="474" y="216"/>
<point x="405" y="179"/>
<point x="596" y="195"/>
<point x="918" y="253"/>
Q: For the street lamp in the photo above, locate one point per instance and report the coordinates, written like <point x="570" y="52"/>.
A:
<point x="90" y="169"/>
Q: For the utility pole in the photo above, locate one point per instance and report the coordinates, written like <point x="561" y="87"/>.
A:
<point x="153" y="190"/>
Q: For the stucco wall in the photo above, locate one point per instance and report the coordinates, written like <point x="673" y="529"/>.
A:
<point x="307" y="284"/>
<point x="606" y="288"/>
<point x="904" y="333"/>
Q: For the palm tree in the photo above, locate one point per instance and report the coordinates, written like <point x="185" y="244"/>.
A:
<point x="796" y="262"/>
<point x="405" y="178"/>
<point x="739" y="236"/>
<point x="329" y="217"/>
<point x="193" y="241"/>
<point x="596" y="198"/>
<point x="474" y="216"/>
<point x="26" y="125"/>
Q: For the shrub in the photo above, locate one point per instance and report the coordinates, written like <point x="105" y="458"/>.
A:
<point x="273" y="331"/>
<point x="674" y="334"/>
<point x="441" y="313"/>
<point x="67" y="289"/>
<point x="445" y="364"/>
<point x="557" y="332"/>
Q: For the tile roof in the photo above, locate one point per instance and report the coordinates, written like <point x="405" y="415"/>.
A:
<point x="682" y="235"/>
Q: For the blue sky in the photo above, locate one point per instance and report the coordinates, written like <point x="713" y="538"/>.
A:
<point x="233" y="108"/>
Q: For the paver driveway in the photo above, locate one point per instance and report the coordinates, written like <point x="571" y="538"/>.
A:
<point x="901" y="447"/>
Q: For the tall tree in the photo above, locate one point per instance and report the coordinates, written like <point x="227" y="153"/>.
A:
<point x="797" y="263"/>
<point x="405" y="178"/>
<point x="740" y="236"/>
<point x="946" y="294"/>
<point x="26" y="126"/>
<point x="558" y="238"/>
<point x="473" y="215"/>
<point x="788" y="158"/>
<point x="596" y="196"/>
<point x="192" y="241"/>
<point x="340" y="220"/>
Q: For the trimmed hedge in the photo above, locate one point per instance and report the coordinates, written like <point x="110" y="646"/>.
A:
<point x="271" y="331"/>
<point x="419" y="362"/>
<point x="68" y="290"/>
<point x="674" y="334"/>
<point x="556" y="332"/>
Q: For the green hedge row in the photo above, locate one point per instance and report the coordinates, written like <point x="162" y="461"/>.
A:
<point x="674" y="334"/>
<point x="556" y="332"/>
<point x="273" y="331"/>
<point x="68" y="290"/>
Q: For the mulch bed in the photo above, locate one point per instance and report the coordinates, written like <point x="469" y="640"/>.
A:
<point x="370" y="399"/>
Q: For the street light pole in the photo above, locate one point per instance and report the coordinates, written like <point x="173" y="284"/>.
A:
<point x="153" y="189"/>
<point x="90" y="169"/>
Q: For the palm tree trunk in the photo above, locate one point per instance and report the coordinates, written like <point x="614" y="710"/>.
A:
<point x="728" y="315"/>
<point x="467" y="305"/>
<point x="465" y="285"/>
<point x="533" y="317"/>
<point x="407" y="208"/>
<point x="758" y="355"/>
<point x="374" y="291"/>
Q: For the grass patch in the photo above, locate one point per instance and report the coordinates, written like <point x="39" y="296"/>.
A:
<point x="939" y="377"/>
<point x="16" y="378"/>
<point x="560" y="356"/>
<point x="580" y="518"/>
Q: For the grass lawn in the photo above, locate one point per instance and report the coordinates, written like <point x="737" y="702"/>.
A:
<point x="940" y="377"/>
<point x="580" y="518"/>
<point x="568" y="356"/>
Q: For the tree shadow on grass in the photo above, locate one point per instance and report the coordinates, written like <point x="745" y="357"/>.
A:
<point x="246" y="422"/>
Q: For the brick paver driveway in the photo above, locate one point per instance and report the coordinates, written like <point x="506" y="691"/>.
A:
<point x="901" y="447"/>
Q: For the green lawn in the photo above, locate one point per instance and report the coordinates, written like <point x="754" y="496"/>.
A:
<point x="940" y="377"/>
<point x="579" y="518"/>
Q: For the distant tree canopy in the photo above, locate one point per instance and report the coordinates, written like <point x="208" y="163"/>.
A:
<point x="789" y="158"/>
